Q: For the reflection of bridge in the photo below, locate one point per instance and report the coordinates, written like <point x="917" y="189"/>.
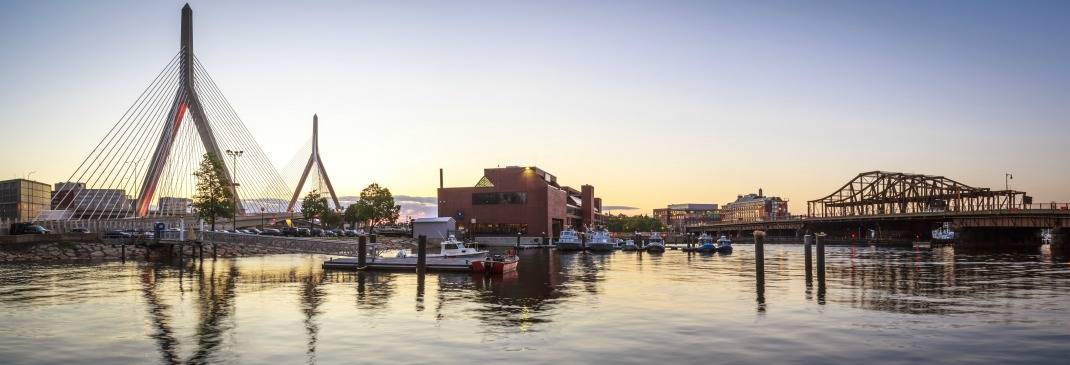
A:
<point x="898" y="207"/>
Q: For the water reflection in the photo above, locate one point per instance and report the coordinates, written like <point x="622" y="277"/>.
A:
<point x="553" y="301"/>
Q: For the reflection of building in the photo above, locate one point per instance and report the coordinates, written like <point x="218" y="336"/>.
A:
<point x="755" y="207"/>
<point x="525" y="200"/>
<point x="22" y="199"/>
<point x="169" y="205"/>
<point x="677" y="216"/>
<point x="77" y="202"/>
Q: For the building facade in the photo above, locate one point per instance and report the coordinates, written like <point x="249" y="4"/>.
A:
<point x="174" y="206"/>
<point x="22" y="199"/>
<point x="755" y="208"/>
<point x="678" y="216"/>
<point x="72" y="200"/>
<point x="519" y="200"/>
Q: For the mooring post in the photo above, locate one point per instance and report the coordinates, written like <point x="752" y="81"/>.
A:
<point x="808" y="258"/>
<point x="362" y="252"/>
<point x="820" y="260"/>
<point x="213" y="250"/>
<point x="759" y="256"/>
<point x="421" y="255"/>
<point x="518" y="241"/>
<point x="123" y="248"/>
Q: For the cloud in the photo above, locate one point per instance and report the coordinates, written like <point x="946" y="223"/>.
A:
<point x="618" y="207"/>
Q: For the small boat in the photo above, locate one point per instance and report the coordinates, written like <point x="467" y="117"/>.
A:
<point x="656" y="243"/>
<point x="496" y="264"/>
<point x="943" y="235"/>
<point x="451" y="247"/>
<point x="629" y="245"/>
<point x="598" y="241"/>
<point x="706" y="244"/>
<point x="568" y="240"/>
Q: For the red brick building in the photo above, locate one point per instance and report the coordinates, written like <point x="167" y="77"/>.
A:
<point x="525" y="200"/>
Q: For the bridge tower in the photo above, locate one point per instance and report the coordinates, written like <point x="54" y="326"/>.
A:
<point x="314" y="159"/>
<point x="186" y="100"/>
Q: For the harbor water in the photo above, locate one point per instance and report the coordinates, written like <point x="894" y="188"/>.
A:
<point x="878" y="305"/>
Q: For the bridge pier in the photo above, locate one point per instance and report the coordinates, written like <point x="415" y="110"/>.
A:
<point x="983" y="237"/>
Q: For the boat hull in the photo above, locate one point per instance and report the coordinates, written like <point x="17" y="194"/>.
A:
<point x="462" y="255"/>
<point x="494" y="266"/>
<point x="655" y="248"/>
<point x="601" y="247"/>
<point x="569" y="246"/>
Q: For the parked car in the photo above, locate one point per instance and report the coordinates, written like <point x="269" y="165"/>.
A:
<point x="338" y="232"/>
<point x="80" y="230"/>
<point x="115" y="233"/>
<point x="304" y="232"/>
<point x="317" y="232"/>
<point x="254" y="231"/>
<point x="271" y="232"/>
<point x="28" y="228"/>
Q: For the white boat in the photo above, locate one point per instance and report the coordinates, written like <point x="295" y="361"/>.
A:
<point x="629" y="245"/>
<point x="451" y="247"/>
<point x="598" y="240"/>
<point x="656" y="243"/>
<point x="568" y="240"/>
<point x="943" y="234"/>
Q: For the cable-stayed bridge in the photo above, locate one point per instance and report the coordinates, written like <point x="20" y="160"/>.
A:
<point x="143" y="166"/>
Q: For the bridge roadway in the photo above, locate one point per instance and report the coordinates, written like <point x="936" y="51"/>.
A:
<point x="1016" y="224"/>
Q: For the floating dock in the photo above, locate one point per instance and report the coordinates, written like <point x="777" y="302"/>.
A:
<point x="400" y="264"/>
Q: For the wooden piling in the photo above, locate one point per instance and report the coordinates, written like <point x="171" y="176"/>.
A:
<point x="759" y="256"/>
<point x="421" y="256"/>
<point x="808" y="258"/>
<point x="362" y="252"/>
<point x="372" y="238"/>
<point x="123" y="249"/>
<point x="820" y="261"/>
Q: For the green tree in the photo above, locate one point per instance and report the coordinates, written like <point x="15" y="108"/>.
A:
<point x="213" y="199"/>
<point x="638" y="223"/>
<point x="353" y="215"/>
<point x="376" y="206"/>
<point x="331" y="219"/>
<point x="314" y="205"/>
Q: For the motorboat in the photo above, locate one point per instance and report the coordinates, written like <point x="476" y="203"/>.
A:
<point x="706" y="244"/>
<point x="655" y="243"/>
<point x="451" y="247"/>
<point x="628" y="245"/>
<point x="598" y="241"/>
<point x="496" y="264"/>
<point x="568" y="240"/>
<point x="943" y="235"/>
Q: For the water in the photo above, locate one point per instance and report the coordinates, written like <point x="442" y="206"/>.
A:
<point x="878" y="306"/>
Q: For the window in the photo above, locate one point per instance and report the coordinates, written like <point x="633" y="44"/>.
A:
<point x="499" y="198"/>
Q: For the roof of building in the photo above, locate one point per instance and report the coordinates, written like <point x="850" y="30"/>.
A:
<point x="433" y="220"/>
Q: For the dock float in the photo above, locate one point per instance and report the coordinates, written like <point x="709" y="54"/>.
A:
<point x="400" y="264"/>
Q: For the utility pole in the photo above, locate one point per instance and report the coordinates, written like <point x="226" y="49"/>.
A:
<point x="234" y="183"/>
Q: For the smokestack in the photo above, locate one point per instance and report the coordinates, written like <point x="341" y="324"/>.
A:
<point x="440" y="186"/>
<point x="760" y="192"/>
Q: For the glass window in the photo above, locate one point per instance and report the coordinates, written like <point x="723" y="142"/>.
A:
<point x="499" y="198"/>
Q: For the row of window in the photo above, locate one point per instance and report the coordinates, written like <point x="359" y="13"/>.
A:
<point x="499" y="198"/>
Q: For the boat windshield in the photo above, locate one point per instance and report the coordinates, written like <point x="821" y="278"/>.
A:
<point x="451" y="246"/>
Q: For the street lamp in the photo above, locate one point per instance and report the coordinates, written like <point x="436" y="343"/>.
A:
<point x="1007" y="177"/>
<point x="234" y="183"/>
<point x="262" y="222"/>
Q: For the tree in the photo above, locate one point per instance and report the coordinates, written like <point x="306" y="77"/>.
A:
<point x="213" y="199"/>
<point x="314" y="205"/>
<point x="639" y="223"/>
<point x="376" y="206"/>
<point x="331" y="219"/>
<point x="353" y="214"/>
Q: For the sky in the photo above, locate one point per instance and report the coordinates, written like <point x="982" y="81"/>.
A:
<point x="652" y="102"/>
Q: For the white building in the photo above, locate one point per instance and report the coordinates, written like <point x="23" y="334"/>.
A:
<point x="435" y="229"/>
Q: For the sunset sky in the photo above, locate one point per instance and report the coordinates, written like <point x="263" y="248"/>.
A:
<point x="652" y="102"/>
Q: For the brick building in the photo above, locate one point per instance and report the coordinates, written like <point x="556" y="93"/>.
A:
<point x="525" y="200"/>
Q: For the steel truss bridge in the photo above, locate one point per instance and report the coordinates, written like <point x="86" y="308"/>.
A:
<point x="903" y="207"/>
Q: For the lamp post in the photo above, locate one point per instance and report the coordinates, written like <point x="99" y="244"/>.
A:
<point x="262" y="222"/>
<point x="234" y="182"/>
<point x="1007" y="177"/>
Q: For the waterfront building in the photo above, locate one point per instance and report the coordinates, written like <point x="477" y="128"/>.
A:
<point x="169" y="205"/>
<point x="82" y="203"/>
<point x="22" y="200"/>
<point x="516" y="200"/>
<point x="436" y="229"/>
<point x="678" y="216"/>
<point x="755" y="207"/>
